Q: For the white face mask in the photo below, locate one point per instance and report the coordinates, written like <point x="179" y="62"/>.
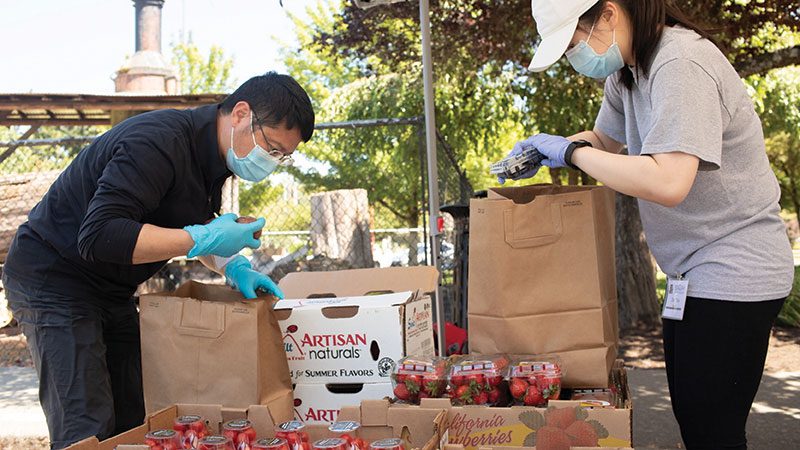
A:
<point x="587" y="62"/>
<point x="256" y="166"/>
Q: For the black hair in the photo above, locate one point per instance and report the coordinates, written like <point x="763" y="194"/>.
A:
<point x="648" y="18"/>
<point x="276" y="99"/>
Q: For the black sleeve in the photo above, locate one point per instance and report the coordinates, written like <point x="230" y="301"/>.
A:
<point x="132" y="184"/>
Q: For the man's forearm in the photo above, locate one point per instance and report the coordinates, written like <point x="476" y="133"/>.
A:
<point x="160" y="244"/>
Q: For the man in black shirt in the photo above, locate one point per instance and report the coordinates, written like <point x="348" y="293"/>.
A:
<point x="145" y="191"/>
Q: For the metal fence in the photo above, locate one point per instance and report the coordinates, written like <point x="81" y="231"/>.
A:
<point x="347" y="203"/>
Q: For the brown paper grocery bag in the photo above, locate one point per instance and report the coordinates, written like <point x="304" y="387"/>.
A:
<point x="204" y="344"/>
<point x="542" y="276"/>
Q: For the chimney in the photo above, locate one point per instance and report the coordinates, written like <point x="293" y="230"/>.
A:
<point x="147" y="71"/>
<point x="148" y="24"/>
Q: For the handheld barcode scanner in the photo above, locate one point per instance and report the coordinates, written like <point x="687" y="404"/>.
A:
<point x="511" y="167"/>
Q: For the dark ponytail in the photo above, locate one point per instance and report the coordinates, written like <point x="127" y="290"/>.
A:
<point x="648" y="18"/>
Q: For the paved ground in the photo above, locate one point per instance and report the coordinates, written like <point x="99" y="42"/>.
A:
<point x="774" y="422"/>
<point x="20" y="413"/>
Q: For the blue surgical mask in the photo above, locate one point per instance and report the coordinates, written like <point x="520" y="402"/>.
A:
<point x="587" y="62"/>
<point x="256" y="166"/>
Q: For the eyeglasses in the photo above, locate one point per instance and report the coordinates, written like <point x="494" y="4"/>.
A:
<point x="283" y="160"/>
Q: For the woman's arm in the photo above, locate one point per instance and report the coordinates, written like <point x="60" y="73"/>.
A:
<point x="599" y="140"/>
<point x="663" y="178"/>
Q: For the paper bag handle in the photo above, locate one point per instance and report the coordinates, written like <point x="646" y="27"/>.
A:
<point x="546" y="238"/>
<point x="212" y="327"/>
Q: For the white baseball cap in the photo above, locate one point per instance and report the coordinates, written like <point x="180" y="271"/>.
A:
<point x="556" y="21"/>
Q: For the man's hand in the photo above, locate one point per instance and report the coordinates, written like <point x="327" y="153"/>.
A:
<point x="240" y="274"/>
<point x="223" y="236"/>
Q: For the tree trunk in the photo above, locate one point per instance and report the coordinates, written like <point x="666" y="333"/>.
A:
<point x="636" y="283"/>
<point x="340" y="226"/>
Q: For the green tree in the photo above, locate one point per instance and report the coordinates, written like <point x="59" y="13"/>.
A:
<point x="202" y="74"/>
<point x="777" y="99"/>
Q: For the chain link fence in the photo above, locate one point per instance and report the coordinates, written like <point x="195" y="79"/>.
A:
<point x="355" y="198"/>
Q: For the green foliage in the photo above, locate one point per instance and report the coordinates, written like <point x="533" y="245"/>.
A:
<point x="777" y="99"/>
<point x="790" y="313"/>
<point x="270" y="201"/>
<point x="201" y="74"/>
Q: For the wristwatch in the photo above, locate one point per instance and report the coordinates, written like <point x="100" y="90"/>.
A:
<point x="571" y="148"/>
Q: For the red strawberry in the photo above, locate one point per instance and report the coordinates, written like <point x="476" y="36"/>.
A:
<point x="400" y="378"/>
<point x="476" y="378"/>
<point x="424" y="394"/>
<point x="560" y="418"/>
<point x="518" y="388"/>
<point x="415" y="379"/>
<point x="533" y="397"/>
<point x="401" y="392"/>
<point x="552" y="438"/>
<point x="494" y="381"/>
<point x="494" y="395"/>
<point x="457" y="380"/>
<point x="582" y="434"/>
<point x="481" y="398"/>
<point x="463" y="394"/>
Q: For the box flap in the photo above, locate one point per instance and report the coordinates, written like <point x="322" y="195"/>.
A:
<point x="349" y="283"/>
<point x="382" y="300"/>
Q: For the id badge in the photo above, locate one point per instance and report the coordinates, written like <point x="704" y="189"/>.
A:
<point x="675" y="299"/>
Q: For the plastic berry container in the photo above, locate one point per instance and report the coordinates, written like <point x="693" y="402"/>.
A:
<point x="270" y="444"/>
<point x="240" y="432"/>
<point x="417" y="378"/>
<point x="534" y="380"/>
<point x="387" y="444"/>
<point x="215" y="442"/>
<point x="293" y="432"/>
<point x="479" y="380"/>
<point x="330" y="444"/>
<point x="348" y="430"/>
<point x="163" y="440"/>
<point x="190" y="429"/>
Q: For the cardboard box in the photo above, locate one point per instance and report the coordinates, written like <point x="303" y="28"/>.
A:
<point x="478" y="427"/>
<point x="321" y="404"/>
<point x="421" y="428"/>
<point x="351" y="326"/>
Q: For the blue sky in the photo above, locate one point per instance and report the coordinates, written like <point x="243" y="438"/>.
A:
<point x="75" y="46"/>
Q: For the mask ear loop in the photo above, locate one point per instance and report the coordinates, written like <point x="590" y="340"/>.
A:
<point x="591" y="30"/>
<point x="252" y="129"/>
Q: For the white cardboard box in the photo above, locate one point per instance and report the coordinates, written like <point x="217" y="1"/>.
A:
<point x="320" y="404"/>
<point x="335" y="331"/>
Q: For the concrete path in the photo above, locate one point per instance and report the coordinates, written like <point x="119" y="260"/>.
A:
<point x="20" y="413"/>
<point x="774" y="422"/>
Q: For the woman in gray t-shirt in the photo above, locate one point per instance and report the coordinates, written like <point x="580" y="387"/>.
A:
<point x="707" y="195"/>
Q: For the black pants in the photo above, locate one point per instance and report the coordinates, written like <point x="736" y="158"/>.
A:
<point x="715" y="357"/>
<point x="88" y="359"/>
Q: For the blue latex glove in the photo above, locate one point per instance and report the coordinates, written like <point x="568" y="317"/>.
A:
<point x="223" y="236"/>
<point x="240" y="274"/>
<point x="552" y="147"/>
